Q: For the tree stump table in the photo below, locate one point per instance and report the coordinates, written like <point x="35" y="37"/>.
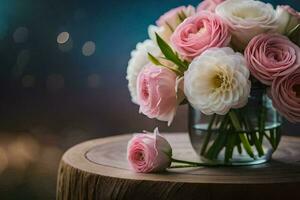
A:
<point x="98" y="170"/>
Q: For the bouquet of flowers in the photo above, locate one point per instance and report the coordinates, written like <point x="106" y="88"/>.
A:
<point x="212" y="57"/>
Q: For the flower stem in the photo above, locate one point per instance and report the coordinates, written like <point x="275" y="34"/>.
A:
<point x="208" y="136"/>
<point x="194" y="163"/>
<point x="182" y="166"/>
<point x="257" y="141"/>
<point x="217" y="146"/>
<point x="220" y="140"/>
<point x="231" y="141"/>
<point x="262" y="121"/>
<point x="278" y="136"/>
<point x="242" y="136"/>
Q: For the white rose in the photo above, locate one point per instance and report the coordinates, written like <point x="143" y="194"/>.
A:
<point x="247" y="18"/>
<point x="162" y="31"/>
<point x="217" y="81"/>
<point x="288" y="18"/>
<point x="169" y="21"/>
<point x="175" y="16"/>
<point x="139" y="58"/>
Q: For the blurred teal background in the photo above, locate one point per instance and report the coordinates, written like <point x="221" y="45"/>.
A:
<point x="62" y="68"/>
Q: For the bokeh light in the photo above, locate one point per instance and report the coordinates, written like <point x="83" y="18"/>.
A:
<point x="3" y="160"/>
<point x="67" y="45"/>
<point x="88" y="48"/>
<point x="22" y="61"/>
<point x="20" y="35"/>
<point x="63" y="37"/>
<point x="23" y="151"/>
<point x="55" y="82"/>
<point x="79" y="14"/>
<point x="28" y="81"/>
<point x="50" y="156"/>
<point x="93" y="81"/>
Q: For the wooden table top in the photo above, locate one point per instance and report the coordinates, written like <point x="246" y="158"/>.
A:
<point x="106" y="157"/>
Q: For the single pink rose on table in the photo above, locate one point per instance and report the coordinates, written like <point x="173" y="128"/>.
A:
<point x="270" y="56"/>
<point x="285" y="92"/>
<point x="148" y="152"/>
<point x="156" y="92"/>
<point x="209" y="5"/>
<point x="199" y="33"/>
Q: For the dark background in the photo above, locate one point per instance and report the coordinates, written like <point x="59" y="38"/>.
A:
<point x="52" y="96"/>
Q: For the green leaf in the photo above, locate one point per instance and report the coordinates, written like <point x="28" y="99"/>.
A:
<point x="238" y="145"/>
<point x="186" y="63"/>
<point x="218" y="145"/>
<point x="278" y="135"/>
<point x="231" y="141"/>
<point x="170" y="54"/>
<point x="246" y="144"/>
<point x="169" y="26"/>
<point x="208" y="135"/>
<point x="253" y="134"/>
<point x="294" y="34"/>
<point x="258" y="145"/>
<point x="181" y="16"/>
<point x="154" y="60"/>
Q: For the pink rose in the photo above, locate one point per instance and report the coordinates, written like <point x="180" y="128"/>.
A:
<point x="156" y="88"/>
<point x="149" y="153"/>
<point x="172" y="19"/>
<point x="199" y="33"/>
<point x="209" y="5"/>
<point x="270" y="56"/>
<point x="285" y="92"/>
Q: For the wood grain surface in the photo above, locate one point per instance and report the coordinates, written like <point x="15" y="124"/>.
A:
<point x="98" y="170"/>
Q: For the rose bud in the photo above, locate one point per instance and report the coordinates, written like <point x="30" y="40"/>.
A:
<point x="149" y="152"/>
<point x="156" y="93"/>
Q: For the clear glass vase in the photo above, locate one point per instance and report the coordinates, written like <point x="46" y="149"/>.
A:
<point x="244" y="136"/>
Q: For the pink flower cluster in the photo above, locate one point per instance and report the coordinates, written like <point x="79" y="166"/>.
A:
<point x="210" y="57"/>
<point x="239" y="33"/>
<point x="158" y="87"/>
<point x="275" y="61"/>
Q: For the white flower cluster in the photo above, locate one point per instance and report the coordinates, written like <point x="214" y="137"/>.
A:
<point x="139" y="58"/>
<point x="199" y="47"/>
<point x="217" y="81"/>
